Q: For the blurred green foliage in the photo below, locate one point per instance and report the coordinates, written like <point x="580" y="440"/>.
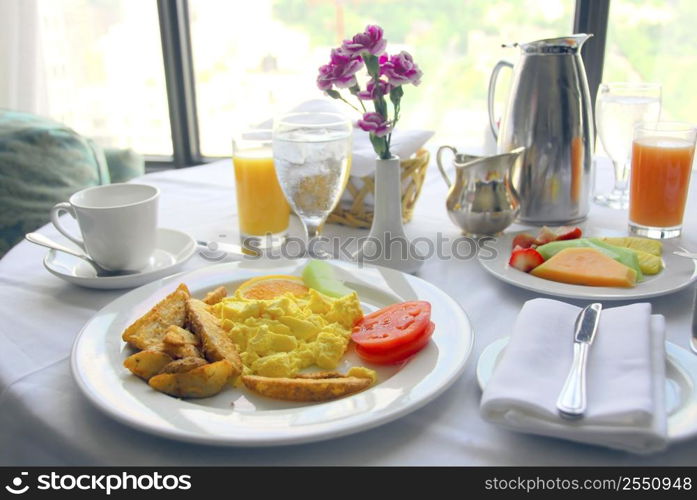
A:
<point x="456" y="42"/>
<point x="655" y="40"/>
<point x="445" y="38"/>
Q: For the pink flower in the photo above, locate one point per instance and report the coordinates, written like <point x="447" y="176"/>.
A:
<point x="401" y="69"/>
<point x="375" y="123"/>
<point x="341" y="70"/>
<point x="373" y="91"/>
<point x="370" y="41"/>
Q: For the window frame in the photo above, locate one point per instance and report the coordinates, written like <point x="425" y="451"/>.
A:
<point x="591" y="16"/>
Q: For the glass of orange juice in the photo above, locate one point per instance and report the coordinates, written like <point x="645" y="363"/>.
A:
<point x="263" y="211"/>
<point x="662" y="155"/>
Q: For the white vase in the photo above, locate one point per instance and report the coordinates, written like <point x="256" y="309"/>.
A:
<point x="387" y="244"/>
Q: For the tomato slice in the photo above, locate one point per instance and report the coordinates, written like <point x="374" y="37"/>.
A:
<point x="400" y="353"/>
<point x="392" y="326"/>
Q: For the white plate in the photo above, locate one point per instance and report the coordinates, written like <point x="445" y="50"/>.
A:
<point x="678" y="273"/>
<point x="681" y="385"/>
<point x="236" y="417"/>
<point x="173" y="250"/>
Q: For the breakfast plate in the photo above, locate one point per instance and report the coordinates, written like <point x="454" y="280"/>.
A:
<point x="678" y="273"/>
<point x="681" y="385"/>
<point x="173" y="249"/>
<point x="238" y="418"/>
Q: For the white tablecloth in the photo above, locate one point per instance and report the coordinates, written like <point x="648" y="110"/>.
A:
<point x="45" y="420"/>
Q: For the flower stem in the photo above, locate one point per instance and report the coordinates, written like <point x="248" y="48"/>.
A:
<point x="354" y="107"/>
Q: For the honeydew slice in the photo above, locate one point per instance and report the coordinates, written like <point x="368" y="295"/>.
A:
<point x="586" y="266"/>
<point x="319" y="275"/>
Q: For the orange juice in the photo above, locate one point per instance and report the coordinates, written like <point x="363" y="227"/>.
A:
<point x="659" y="182"/>
<point x="261" y="204"/>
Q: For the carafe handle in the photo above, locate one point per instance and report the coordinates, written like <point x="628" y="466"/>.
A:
<point x="492" y="90"/>
<point x="440" y="164"/>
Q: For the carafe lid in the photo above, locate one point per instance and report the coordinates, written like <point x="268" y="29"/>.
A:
<point x="564" y="45"/>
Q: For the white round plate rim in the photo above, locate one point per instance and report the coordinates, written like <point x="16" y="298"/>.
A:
<point x="187" y="246"/>
<point x="681" y="360"/>
<point x="498" y="267"/>
<point x="458" y="338"/>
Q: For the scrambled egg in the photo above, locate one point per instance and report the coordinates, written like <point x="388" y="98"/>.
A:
<point x="280" y="336"/>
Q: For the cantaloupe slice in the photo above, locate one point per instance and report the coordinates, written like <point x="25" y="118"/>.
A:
<point x="586" y="266"/>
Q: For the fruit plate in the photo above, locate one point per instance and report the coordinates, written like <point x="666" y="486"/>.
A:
<point x="678" y="273"/>
<point x="235" y="417"/>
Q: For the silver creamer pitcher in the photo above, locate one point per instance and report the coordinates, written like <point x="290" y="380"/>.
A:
<point x="549" y="113"/>
<point x="481" y="200"/>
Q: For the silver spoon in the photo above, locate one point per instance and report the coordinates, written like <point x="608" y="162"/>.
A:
<point x="44" y="241"/>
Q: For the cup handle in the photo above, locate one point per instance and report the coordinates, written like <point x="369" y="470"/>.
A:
<point x="439" y="154"/>
<point x="55" y="214"/>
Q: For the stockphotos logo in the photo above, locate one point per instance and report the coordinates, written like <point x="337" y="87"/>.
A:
<point x="106" y="483"/>
<point x="18" y="487"/>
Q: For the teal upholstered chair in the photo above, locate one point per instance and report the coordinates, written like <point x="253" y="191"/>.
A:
<point x="43" y="162"/>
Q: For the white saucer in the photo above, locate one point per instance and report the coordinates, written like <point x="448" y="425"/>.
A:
<point x="681" y="385"/>
<point x="173" y="250"/>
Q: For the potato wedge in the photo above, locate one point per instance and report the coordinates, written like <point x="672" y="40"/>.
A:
<point x="316" y="375"/>
<point x="215" y="296"/>
<point x="180" y="343"/>
<point x="183" y="365"/>
<point x="200" y="382"/>
<point x="215" y="343"/>
<point x="305" y="389"/>
<point x="149" y="330"/>
<point x="146" y="364"/>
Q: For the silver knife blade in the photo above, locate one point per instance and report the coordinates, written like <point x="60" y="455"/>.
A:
<point x="587" y="323"/>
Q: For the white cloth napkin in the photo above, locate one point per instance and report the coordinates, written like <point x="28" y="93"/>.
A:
<point x="404" y="142"/>
<point x="625" y="377"/>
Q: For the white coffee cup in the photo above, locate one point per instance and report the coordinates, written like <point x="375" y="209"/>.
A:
<point x="118" y="223"/>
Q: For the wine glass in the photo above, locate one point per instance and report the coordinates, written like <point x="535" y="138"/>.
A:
<point x="618" y="108"/>
<point x="312" y="157"/>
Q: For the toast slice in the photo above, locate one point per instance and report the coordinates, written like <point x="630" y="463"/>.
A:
<point x="303" y="389"/>
<point x="215" y="343"/>
<point x="149" y="330"/>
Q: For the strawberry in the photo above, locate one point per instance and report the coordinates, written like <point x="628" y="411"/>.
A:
<point x="524" y="240"/>
<point x="525" y="259"/>
<point x="548" y="234"/>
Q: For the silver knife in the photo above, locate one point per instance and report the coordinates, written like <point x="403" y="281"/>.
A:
<point x="572" y="399"/>
<point x="693" y="340"/>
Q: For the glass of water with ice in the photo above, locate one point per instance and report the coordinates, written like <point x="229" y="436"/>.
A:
<point x="312" y="157"/>
<point x="619" y="107"/>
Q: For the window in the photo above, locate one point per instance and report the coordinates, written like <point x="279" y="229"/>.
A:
<point x="253" y="62"/>
<point x="102" y="65"/>
<point x="654" y="41"/>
